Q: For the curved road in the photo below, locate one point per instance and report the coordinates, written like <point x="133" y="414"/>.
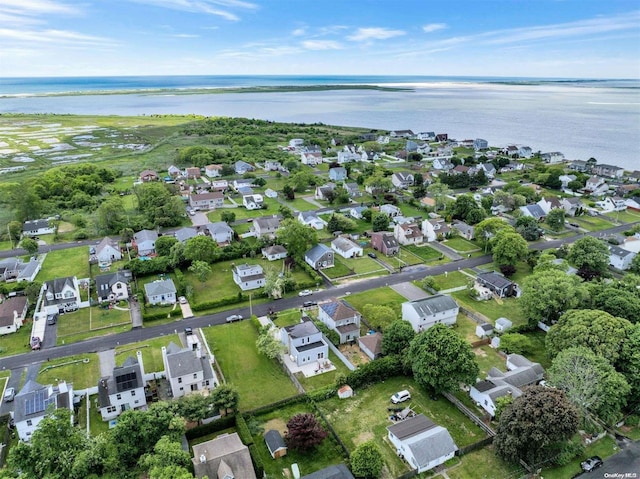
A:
<point x="408" y="274"/>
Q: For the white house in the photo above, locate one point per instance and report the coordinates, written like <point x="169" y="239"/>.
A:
<point x="571" y="205"/>
<point x="38" y="227"/>
<point x="408" y="233"/>
<point x="311" y="158"/>
<point x="13" y="312"/>
<point x="275" y="252"/>
<point x="423" y="444"/>
<point x="614" y="203"/>
<point x="187" y="370"/>
<point x="465" y="230"/>
<point x="296" y="142"/>
<point x="31" y="405"/>
<point x="160" y="291"/>
<point x="348" y="157"/>
<point x="390" y="210"/>
<point x="123" y="390"/>
<point x="342" y="318"/>
<point x="480" y="144"/>
<point x="144" y="241"/>
<point x="434" y="228"/>
<point x="304" y="343"/>
<point x="248" y="276"/>
<point x="402" y="179"/>
<point x="620" y="258"/>
<point x="424" y="313"/>
<point x="113" y="286"/>
<point x="266" y="226"/>
<point x="442" y="164"/>
<point x="220" y="231"/>
<point x="61" y="293"/>
<point x="346" y="248"/>
<point x="207" y="201"/>
<point x="310" y="218"/>
<point x="503" y="325"/>
<point x="320" y="257"/>
<point x="213" y="171"/>
<point x="108" y="250"/>
<point x="552" y="157"/>
<point x="252" y="202"/>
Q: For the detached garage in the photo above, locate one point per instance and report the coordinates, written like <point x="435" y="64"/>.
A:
<point x="275" y="444"/>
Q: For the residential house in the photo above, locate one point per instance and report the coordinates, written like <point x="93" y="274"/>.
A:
<point x="224" y="457"/>
<point x="319" y="257"/>
<point x="240" y="183"/>
<point x="565" y="180"/>
<point x="160" y="291"/>
<point x="273" y="165"/>
<point x="427" y="312"/>
<point x="385" y="242"/>
<point x="13" y="312"/>
<point x="620" y="258"/>
<point x="424" y="148"/>
<point x="213" y="171"/>
<point x="627" y="190"/>
<point x="390" y="210"/>
<point x="426" y="136"/>
<point x="275" y="444"/>
<point x="434" y="229"/>
<point x="402" y="179"/>
<point x="311" y="158"/>
<point x="633" y="204"/>
<point x="296" y="142"/>
<point x="410" y="146"/>
<point x="401" y="134"/>
<point x="32" y="404"/>
<point x="305" y="343"/>
<point x="123" y="390"/>
<point x="269" y="193"/>
<point x="497" y="284"/>
<point x="525" y="152"/>
<point x="552" y="157"/>
<point x="614" y="203"/>
<point x="253" y="202"/>
<point x="37" y="228"/>
<point x="220" y="231"/>
<point x="595" y="186"/>
<point x="243" y="167"/>
<point x="534" y="211"/>
<point x="549" y="203"/>
<point x="610" y="171"/>
<point x="346" y="248"/>
<point x="14" y="269"/>
<point x="323" y="191"/>
<point x="357" y="212"/>
<point x="144" y="241"/>
<point x="353" y="190"/>
<point x="465" y="230"/>
<point x="113" y="286"/>
<point x="480" y="144"/>
<point x="338" y="173"/>
<point x="206" y="201"/>
<point x="442" y="137"/>
<point x="310" y="218"/>
<point x="348" y="156"/>
<point x="149" y="175"/>
<point x="442" y="164"/>
<point x="275" y="252"/>
<point x="341" y="317"/>
<point x="369" y="155"/>
<point x="193" y="172"/>
<point x="187" y="370"/>
<point x="488" y="169"/>
<point x="219" y="185"/>
<point x="248" y="276"/>
<point x="521" y="372"/>
<point x="580" y="165"/>
<point x="108" y="251"/>
<point x="266" y="226"/>
<point x="185" y="234"/>
<point x="572" y="205"/>
<point x="173" y="171"/>
<point x="245" y="190"/>
<point x="383" y="140"/>
<point x="408" y="233"/>
<point x="371" y="345"/>
<point x="423" y="444"/>
<point x="61" y="293"/>
<point x="459" y="169"/>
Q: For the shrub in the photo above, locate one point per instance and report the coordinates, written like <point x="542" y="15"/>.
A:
<point x="243" y="431"/>
<point x="322" y="394"/>
<point x="567" y="452"/>
<point x="80" y="235"/>
<point x="375" y="371"/>
<point x="224" y="422"/>
<point x="258" y="466"/>
<point x="632" y="420"/>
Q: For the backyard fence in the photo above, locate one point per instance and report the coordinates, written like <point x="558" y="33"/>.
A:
<point x="481" y="342"/>
<point x="475" y="446"/>
<point x="341" y="356"/>
<point x="469" y="413"/>
<point x="292" y="376"/>
<point x="333" y="432"/>
<point x="478" y="318"/>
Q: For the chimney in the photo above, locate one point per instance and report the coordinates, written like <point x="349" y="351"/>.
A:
<point x="139" y="356"/>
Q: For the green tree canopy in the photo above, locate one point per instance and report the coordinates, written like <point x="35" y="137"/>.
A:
<point x="397" y="337"/>
<point x="268" y="345"/>
<point x="29" y="245"/>
<point x="366" y="460"/>
<point x="488" y="229"/>
<point x="515" y="343"/>
<point x="379" y="221"/>
<point x="157" y="205"/>
<point x="164" y="244"/>
<point x="201" y="269"/>
<point x="201" y="248"/>
<point x="378" y="314"/>
<point x="629" y="362"/>
<point x="590" y="256"/>
<point x="509" y="248"/>
<point x="296" y="237"/>
<point x="555" y="219"/>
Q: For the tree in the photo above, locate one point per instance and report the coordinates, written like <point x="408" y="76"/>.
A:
<point x="594" y="329"/>
<point x="268" y="345"/>
<point x="378" y="184"/>
<point x="288" y="192"/>
<point x="378" y="314"/>
<point x="635" y="264"/>
<point x="379" y="221"/>
<point x="278" y="282"/>
<point x="201" y="248"/>
<point x="534" y="423"/>
<point x="296" y="237"/>
<point x="32" y="291"/>
<point x="590" y="256"/>
<point x="590" y="382"/>
<point x="366" y="460"/>
<point x="167" y="453"/>
<point x="176" y="255"/>
<point x="158" y="205"/>
<point x="304" y="432"/>
<point x="15" y="232"/>
<point x="441" y="359"/>
<point x="164" y="244"/>
<point x="528" y="228"/>
<point x="439" y="192"/>
<point x="52" y="448"/>
<point x="555" y="219"/>
<point x="228" y="216"/>
<point x="339" y="222"/>
<point x="462" y="206"/>
<point x="509" y="248"/>
<point x="617" y="301"/>
<point x="487" y="229"/>
<point x="201" y="269"/>
<point x="502" y="403"/>
<point x="547" y="294"/>
<point x="29" y="245"/>
<point x="226" y="398"/>
<point x="285" y="212"/>
<point x="397" y="337"/>
<point x="629" y="362"/>
<point x="515" y="343"/>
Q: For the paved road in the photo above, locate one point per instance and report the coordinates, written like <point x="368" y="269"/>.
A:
<point x="623" y="465"/>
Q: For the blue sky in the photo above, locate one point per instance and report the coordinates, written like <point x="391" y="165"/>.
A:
<point x="542" y="38"/>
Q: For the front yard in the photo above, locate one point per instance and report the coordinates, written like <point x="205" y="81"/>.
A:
<point x="90" y="322"/>
<point x="461" y="245"/>
<point x="483" y="464"/>
<point x="492" y="308"/>
<point x="82" y="371"/>
<point x="151" y="352"/>
<point x="381" y="296"/>
<point x="426" y="253"/>
<point x="593" y="223"/>
<point x="65" y="262"/>
<point x="18" y="342"/>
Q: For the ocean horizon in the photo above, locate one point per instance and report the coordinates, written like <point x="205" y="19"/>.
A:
<point x="581" y="118"/>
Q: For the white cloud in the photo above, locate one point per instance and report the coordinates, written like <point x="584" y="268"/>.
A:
<point x="434" y="27"/>
<point x="36" y="7"/>
<point x="374" y="33"/>
<point x="185" y="35"/>
<point x="299" y="32"/>
<point x="221" y="8"/>
<point x="321" y="45"/>
<point x="54" y="36"/>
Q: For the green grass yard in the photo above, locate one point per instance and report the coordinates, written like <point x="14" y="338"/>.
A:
<point x="627" y="216"/>
<point x="338" y="270"/>
<point x="300" y="204"/>
<point x="592" y="223"/>
<point x="258" y="379"/>
<point x="461" y="245"/>
<point x="65" y="262"/>
<point x="363" y="265"/>
<point x="151" y="352"/>
<point x="18" y="342"/>
<point x="84" y="324"/>
<point x="386" y="296"/>
<point x="324" y="379"/>
<point x="426" y="253"/>
<point x="72" y="369"/>
<point x="451" y="280"/>
<point x="484" y="464"/>
<point x="508" y="308"/>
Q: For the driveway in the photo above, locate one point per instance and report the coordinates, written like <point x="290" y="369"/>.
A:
<point x="625" y="464"/>
<point x="186" y="310"/>
<point x="410" y="291"/>
<point x="199" y="219"/>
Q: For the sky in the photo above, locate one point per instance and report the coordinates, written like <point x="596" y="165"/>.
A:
<point x="511" y="38"/>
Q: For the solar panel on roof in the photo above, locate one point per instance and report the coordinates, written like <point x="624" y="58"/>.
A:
<point x="126" y="381"/>
<point x="37" y="402"/>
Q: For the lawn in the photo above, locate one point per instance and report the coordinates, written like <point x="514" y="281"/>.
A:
<point x="369" y="407"/>
<point x="65" y="262"/>
<point x="363" y="265"/>
<point x="425" y="252"/>
<point x="151" y="352"/>
<point x="538" y="352"/>
<point x="487" y="358"/>
<point x="484" y="464"/>
<point x="325" y="379"/>
<point x="508" y="308"/>
<point x="403" y="258"/>
<point x="338" y="270"/>
<point x="466" y="328"/>
<point x="381" y="296"/>
<point x="627" y="216"/>
<point x="326" y="454"/>
<point x="259" y="380"/>
<point x="604" y="448"/>
<point x="461" y="245"/>
<point x="287" y="318"/>
<point x="451" y="280"/>
<point x="592" y="223"/>
<point x="82" y="371"/>
<point x="18" y="342"/>
<point x="90" y="322"/>
<point x="300" y="204"/>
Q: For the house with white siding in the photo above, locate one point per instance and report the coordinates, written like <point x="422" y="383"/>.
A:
<point x="248" y="276"/>
<point x="341" y="317"/>
<point x="305" y="343"/>
<point x="160" y="291"/>
<point x="188" y="370"/>
<point x="346" y="248"/>
<point x="32" y="404"/>
<point x="123" y="390"/>
<point x="427" y="312"/>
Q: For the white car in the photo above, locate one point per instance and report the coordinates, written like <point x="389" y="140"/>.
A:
<point x="401" y="396"/>
<point x="182" y="300"/>
<point x="305" y="292"/>
<point x="234" y="317"/>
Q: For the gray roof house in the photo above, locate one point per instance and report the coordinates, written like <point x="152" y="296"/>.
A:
<point x="465" y="230"/>
<point x="37" y="227"/>
<point x="248" y="276"/>
<point x="123" y="390"/>
<point x="161" y="291"/>
<point x="338" y="173"/>
<point x="187" y="370"/>
<point x="186" y="233"/>
<point x="224" y="457"/>
<point x="371" y="345"/>
<point x="32" y="402"/>
<point x="336" y="471"/>
<point x="113" y="286"/>
<point x="305" y="343"/>
<point x="266" y="226"/>
<point x="423" y="444"/>
<point x="427" y="312"/>
<point x="220" y="231"/>
<point x="319" y="257"/>
<point x="13" y="312"/>
<point x="63" y="293"/>
<point x="145" y="242"/>
<point x="108" y="250"/>
<point x="535" y="211"/>
<point x="497" y="284"/>
<point x="620" y="258"/>
<point x="341" y="317"/>
<point x="243" y="167"/>
<point x="275" y="252"/>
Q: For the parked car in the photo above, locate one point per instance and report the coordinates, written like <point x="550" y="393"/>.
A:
<point x="592" y="463"/>
<point x="308" y="304"/>
<point x="234" y="317"/>
<point x="36" y="343"/>
<point x="372" y="255"/>
<point x="401" y="396"/>
<point x="9" y="394"/>
<point x="52" y="319"/>
<point x="182" y="300"/>
<point x="188" y="331"/>
<point x="305" y="292"/>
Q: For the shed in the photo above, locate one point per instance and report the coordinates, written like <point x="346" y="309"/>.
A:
<point x="345" y="392"/>
<point x="503" y="324"/>
<point x="275" y="444"/>
<point x="495" y="342"/>
<point x="484" y="330"/>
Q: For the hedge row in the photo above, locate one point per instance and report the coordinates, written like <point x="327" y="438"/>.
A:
<point x="153" y="316"/>
<point x="258" y="466"/>
<point x="277" y="405"/>
<point x="224" y="422"/>
<point x="322" y="394"/>
<point x="376" y="371"/>
<point x="310" y="271"/>
<point x="243" y="430"/>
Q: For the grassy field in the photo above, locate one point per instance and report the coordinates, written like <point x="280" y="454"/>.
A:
<point x="386" y="296"/>
<point x="325" y="379"/>
<point x="65" y="262"/>
<point x="258" y="379"/>
<point x="451" y="280"/>
<point x="488" y="358"/>
<point x="461" y="245"/>
<point x="627" y="216"/>
<point x="592" y="223"/>
<point x="18" y="342"/>
<point x="300" y="204"/>
<point x="83" y="371"/>
<point x="507" y="308"/>
<point x="338" y="270"/>
<point x="426" y="253"/>
<point x="403" y="258"/>
<point x="363" y="265"/>
<point x="287" y="318"/>
<point x="484" y="464"/>
<point x="151" y="352"/>
<point x="604" y="448"/>
<point x="82" y="324"/>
